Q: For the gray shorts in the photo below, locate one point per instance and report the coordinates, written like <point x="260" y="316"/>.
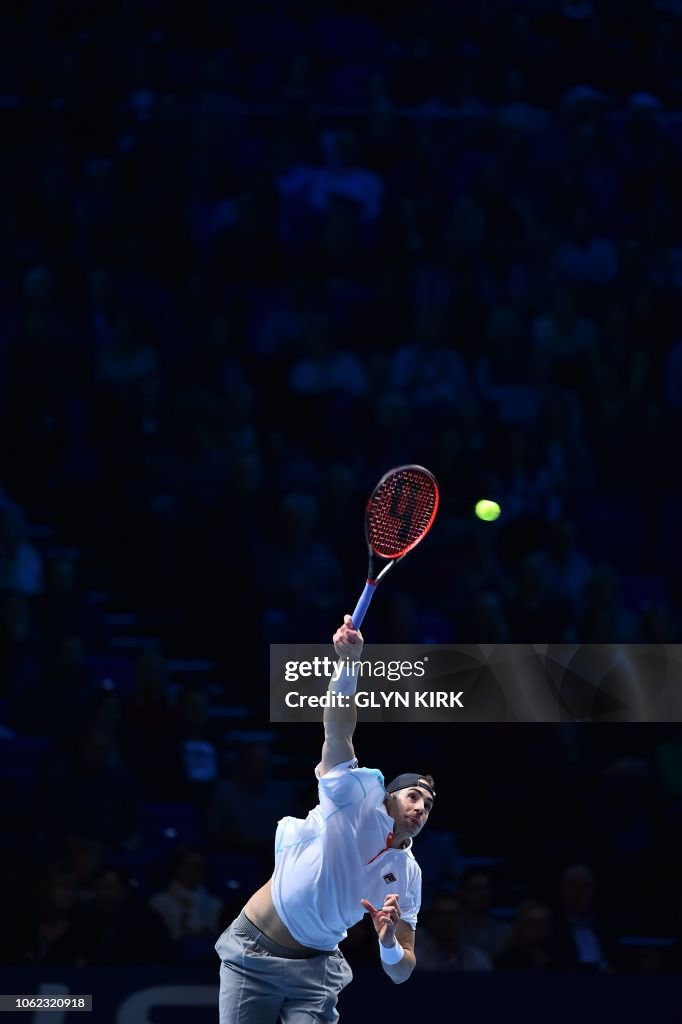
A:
<point x="262" y="982"/>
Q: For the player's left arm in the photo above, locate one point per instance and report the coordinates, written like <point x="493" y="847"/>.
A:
<point x="401" y="971"/>
<point x="396" y="939"/>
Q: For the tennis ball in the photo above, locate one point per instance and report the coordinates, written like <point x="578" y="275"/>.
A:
<point x="486" y="510"/>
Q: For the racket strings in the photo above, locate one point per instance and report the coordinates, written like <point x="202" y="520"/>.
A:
<point x="401" y="512"/>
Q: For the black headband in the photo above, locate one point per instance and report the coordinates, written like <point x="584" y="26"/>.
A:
<point x="409" y="779"/>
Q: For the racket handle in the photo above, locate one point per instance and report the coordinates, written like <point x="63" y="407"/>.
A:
<point x="363" y="604"/>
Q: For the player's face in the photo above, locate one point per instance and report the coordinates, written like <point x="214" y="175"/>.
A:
<point x="410" y="809"/>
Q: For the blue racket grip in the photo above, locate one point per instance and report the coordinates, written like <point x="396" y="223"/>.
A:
<point x="363" y="604"/>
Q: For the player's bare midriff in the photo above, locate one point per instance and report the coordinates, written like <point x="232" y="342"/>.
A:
<point x="260" y="910"/>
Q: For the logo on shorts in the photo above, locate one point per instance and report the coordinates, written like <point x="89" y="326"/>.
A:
<point x="390" y="877"/>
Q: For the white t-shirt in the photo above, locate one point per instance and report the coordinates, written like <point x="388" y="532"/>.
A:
<point x="326" y="863"/>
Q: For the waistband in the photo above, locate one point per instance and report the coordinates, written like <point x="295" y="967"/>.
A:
<point x="249" y="928"/>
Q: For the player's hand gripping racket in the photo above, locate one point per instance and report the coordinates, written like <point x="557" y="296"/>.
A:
<point x="399" y="513"/>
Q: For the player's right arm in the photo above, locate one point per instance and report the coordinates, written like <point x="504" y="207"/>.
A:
<point x="340" y="718"/>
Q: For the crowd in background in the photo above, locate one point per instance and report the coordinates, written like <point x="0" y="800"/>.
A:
<point x="252" y="259"/>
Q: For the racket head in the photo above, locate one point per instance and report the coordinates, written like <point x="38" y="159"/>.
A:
<point x="401" y="510"/>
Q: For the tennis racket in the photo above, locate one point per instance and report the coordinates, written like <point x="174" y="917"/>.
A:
<point x="400" y="512"/>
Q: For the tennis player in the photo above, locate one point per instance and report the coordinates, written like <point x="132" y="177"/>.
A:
<point x="281" y="960"/>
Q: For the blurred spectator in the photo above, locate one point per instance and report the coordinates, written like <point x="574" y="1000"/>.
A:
<point x="21" y="565"/>
<point x="82" y="859"/>
<point x="324" y="369"/>
<point x="441" y="947"/>
<point x="500" y="370"/>
<point x="338" y="495"/>
<point x="278" y="327"/>
<point x="440" y="861"/>
<point x="117" y="929"/>
<point x="393" y="426"/>
<point x="668" y="756"/>
<point x="298" y="570"/>
<point x="566" y="450"/>
<point x="186" y="907"/>
<point x="22" y="646"/>
<point x="604" y="618"/>
<point x="530" y="943"/>
<point x="537" y="607"/>
<point x="660" y="624"/>
<point x="127" y="361"/>
<point x="195" y="745"/>
<point x="61" y="700"/>
<point x="48" y="932"/>
<point x="675" y="957"/>
<point x="585" y="256"/>
<point x="564" y="333"/>
<point x="314" y="187"/>
<point x="484" y="621"/>
<point x="89" y="792"/>
<point x="62" y="608"/>
<point x="480" y="565"/>
<point x="521" y="477"/>
<point x="478" y="926"/>
<point x="630" y="843"/>
<point x="431" y="370"/>
<point x="581" y="940"/>
<point x="673" y="376"/>
<point x="149" y="725"/>
<point x="211" y="362"/>
<point x="565" y="570"/>
<point x="231" y="824"/>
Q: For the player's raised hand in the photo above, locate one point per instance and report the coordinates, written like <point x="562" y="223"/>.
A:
<point x="386" y="919"/>
<point x="348" y="641"/>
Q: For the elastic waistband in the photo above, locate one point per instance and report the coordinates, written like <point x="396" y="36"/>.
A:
<point x="305" y="953"/>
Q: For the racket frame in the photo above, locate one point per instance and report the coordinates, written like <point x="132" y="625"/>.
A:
<point x="373" y="579"/>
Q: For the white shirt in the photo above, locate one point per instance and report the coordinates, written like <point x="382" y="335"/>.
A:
<point x="327" y="863"/>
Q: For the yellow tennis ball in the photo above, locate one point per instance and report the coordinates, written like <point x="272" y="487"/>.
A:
<point x="488" y="511"/>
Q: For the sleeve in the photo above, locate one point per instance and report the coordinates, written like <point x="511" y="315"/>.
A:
<point x="347" y="785"/>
